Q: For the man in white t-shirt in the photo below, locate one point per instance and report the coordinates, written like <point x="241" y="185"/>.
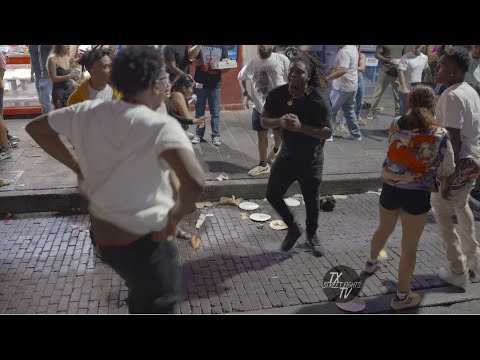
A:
<point x="125" y="155"/>
<point x="411" y="68"/>
<point x="344" y="89"/>
<point x="458" y="110"/>
<point x="266" y="72"/>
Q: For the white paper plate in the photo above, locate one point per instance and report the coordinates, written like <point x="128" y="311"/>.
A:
<point x="291" y="202"/>
<point x="278" y="225"/>
<point x="248" y="206"/>
<point x="260" y="217"/>
<point x="356" y="305"/>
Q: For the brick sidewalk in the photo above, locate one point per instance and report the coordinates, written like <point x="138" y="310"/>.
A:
<point x="47" y="263"/>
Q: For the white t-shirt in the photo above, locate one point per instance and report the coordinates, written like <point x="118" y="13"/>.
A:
<point x="265" y="75"/>
<point x="105" y="94"/>
<point x="347" y="57"/>
<point x="413" y="66"/>
<point x="459" y="108"/>
<point x="118" y="146"/>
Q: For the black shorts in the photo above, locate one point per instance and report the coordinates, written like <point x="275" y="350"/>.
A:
<point x="414" y="202"/>
<point x="256" y="125"/>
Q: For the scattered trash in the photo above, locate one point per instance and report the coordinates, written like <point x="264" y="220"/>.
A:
<point x="196" y="242"/>
<point x="248" y="206"/>
<point x="355" y="305"/>
<point x="183" y="235"/>
<point x="336" y="197"/>
<point x="291" y="202"/>
<point x="297" y="197"/>
<point x="201" y="205"/>
<point x="229" y="201"/>
<point x="209" y="215"/>
<point x="274" y="277"/>
<point x="373" y="192"/>
<point x="244" y="216"/>
<point x="383" y="255"/>
<point x="327" y="203"/>
<point x="5" y="182"/>
<point x="21" y="185"/>
<point x="200" y="221"/>
<point x="265" y="200"/>
<point x="74" y="227"/>
<point x="222" y="177"/>
<point x="260" y="226"/>
<point x="278" y="225"/>
<point x="260" y="217"/>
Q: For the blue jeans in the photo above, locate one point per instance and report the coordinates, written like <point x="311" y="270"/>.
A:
<point x="360" y="95"/>
<point x="213" y="96"/>
<point x="403" y="103"/>
<point x="345" y="101"/>
<point x="44" y="90"/>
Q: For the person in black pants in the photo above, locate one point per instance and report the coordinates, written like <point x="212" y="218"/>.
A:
<point x="303" y="112"/>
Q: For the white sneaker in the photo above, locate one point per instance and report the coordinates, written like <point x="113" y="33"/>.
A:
<point x="342" y="129"/>
<point x="412" y="300"/>
<point x="351" y="137"/>
<point x="370" y="267"/>
<point x="189" y="134"/>
<point x="370" y="116"/>
<point x="330" y="138"/>
<point x="216" y="141"/>
<point x="362" y="121"/>
<point x="272" y="155"/>
<point x="196" y="140"/>
<point x="459" y="280"/>
<point x="259" y="170"/>
<point x="5" y="153"/>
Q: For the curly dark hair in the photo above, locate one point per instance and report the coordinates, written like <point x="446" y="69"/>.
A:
<point x="135" y="69"/>
<point x="459" y="56"/>
<point x="91" y="56"/>
<point x="316" y="70"/>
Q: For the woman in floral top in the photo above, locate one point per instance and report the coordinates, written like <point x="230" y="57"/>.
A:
<point x="419" y="153"/>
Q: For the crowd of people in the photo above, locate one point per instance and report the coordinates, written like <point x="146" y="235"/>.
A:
<point x="121" y="122"/>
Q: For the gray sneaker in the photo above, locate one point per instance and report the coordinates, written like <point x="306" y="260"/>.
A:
<point x="5" y="153"/>
<point x="216" y="141"/>
<point x="196" y="140"/>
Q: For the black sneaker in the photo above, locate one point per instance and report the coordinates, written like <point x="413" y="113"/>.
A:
<point x="316" y="245"/>
<point x="293" y="234"/>
<point x="13" y="138"/>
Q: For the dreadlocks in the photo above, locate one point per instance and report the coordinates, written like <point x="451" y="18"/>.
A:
<point x="316" y="69"/>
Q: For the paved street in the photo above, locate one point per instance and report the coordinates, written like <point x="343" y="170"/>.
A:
<point x="47" y="264"/>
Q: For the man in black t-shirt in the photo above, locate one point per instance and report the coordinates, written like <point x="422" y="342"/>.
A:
<point x="208" y="87"/>
<point x="176" y="59"/>
<point x="303" y="112"/>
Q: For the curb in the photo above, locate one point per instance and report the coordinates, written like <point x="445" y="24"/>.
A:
<point x="52" y="200"/>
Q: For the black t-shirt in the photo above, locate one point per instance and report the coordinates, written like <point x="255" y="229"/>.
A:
<point x="179" y="54"/>
<point x="314" y="110"/>
<point x="205" y="75"/>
